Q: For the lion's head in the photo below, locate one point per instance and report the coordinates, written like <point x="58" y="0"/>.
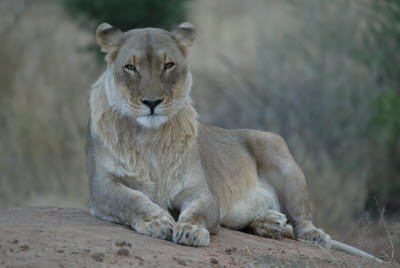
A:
<point x="147" y="76"/>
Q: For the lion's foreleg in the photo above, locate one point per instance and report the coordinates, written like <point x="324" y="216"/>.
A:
<point x="199" y="216"/>
<point x="112" y="199"/>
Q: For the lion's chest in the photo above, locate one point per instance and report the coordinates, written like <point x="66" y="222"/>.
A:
<point x="153" y="174"/>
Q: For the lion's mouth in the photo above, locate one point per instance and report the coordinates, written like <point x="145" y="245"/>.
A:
<point x="152" y="120"/>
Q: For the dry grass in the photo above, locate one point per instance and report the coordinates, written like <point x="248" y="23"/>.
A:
<point x="45" y="83"/>
<point x="380" y="238"/>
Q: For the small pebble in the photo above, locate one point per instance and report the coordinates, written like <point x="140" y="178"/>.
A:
<point x="123" y="244"/>
<point x="214" y="261"/>
<point x="123" y="252"/>
<point x="98" y="257"/>
<point x="25" y="247"/>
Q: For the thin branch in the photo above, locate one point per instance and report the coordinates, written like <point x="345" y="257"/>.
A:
<point x="387" y="231"/>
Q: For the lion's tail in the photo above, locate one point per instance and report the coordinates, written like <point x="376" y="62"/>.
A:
<point x="288" y="233"/>
<point x="353" y="251"/>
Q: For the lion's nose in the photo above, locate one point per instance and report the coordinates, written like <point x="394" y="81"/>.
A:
<point x="152" y="103"/>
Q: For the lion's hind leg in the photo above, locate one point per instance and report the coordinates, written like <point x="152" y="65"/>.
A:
<point x="271" y="224"/>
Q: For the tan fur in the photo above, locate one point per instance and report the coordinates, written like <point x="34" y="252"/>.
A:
<point x="130" y="144"/>
<point x="143" y="164"/>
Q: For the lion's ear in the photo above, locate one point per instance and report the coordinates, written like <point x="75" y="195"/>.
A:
<point x="185" y="35"/>
<point x="108" y="37"/>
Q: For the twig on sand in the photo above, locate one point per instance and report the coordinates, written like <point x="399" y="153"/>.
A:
<point x="332" y="258"/>
<point x="387" y="232"/>
<point x="301" y="257"/>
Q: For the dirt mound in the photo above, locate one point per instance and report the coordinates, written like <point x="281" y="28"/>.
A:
<point x="69" y="237"/>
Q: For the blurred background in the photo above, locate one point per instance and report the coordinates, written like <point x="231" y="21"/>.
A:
<point x="325" y="75"/>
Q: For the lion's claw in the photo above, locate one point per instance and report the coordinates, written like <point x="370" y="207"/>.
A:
<point x="191" y="235"/>
<point x="160" y="226"/>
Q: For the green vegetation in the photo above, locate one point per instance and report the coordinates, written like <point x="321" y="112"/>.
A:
<point x="130" y="14"/>
<point x="387" y="119"/>
<point x="384" y="125"/>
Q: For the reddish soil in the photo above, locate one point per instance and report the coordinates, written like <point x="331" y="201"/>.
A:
<point x="69" y="237"/>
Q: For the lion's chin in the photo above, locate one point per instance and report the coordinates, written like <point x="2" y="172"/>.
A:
<point x="152" y="121"/>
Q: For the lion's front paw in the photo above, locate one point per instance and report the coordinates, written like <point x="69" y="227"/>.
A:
<point x="191" y="235"/>
<point x="270" y="224"/>
<point x="317" y="236"/>
<point x="160" y="226"/>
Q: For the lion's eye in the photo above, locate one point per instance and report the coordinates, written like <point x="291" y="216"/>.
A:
<point x="168" y="65"/>
<point x="130" y="67"/>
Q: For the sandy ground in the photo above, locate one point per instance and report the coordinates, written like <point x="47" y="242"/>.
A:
<point x="69" y="237"/>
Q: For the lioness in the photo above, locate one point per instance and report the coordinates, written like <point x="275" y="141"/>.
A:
<point x="148" y="156"/>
